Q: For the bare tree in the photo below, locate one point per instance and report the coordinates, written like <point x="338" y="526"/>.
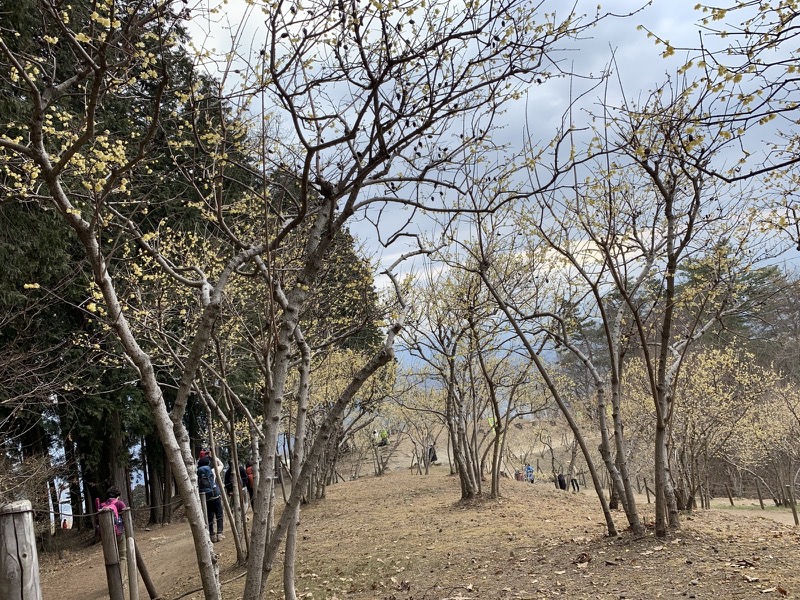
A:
<point x="378" y="104"/>
<point x="744" y="97"/>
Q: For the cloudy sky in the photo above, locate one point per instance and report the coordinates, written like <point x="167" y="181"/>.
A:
<point x="640" y="66"/>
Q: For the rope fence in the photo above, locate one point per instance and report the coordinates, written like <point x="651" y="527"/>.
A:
<point x="22" y="577"/>
<point x="48" y="511"/>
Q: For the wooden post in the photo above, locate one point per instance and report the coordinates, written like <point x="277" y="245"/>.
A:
<point x="728" y="491"/>
<point x="130" y="555"/>
<point x="790" y="494"/>
<point x="760" y="497"/>
<point x="145" y="574"/>
<point x="111" y="555"/>
<point x="647" y="491"/>
<point x="19" y="561"/>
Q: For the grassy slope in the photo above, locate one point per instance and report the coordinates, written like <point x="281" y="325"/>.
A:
<point x="403" y="536"/>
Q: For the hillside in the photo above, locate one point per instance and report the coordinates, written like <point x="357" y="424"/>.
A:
<point x="402" y="536"/>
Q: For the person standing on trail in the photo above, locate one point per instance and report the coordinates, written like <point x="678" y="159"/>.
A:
<point x="575" y="486"/>
<point x="207" y="484"/>
<point x="250" y="481"/>
<point x="528" y="473"/>
<point x="116" y="506"/>
<point x="432" y="458"/>
<point x="562" y="483"/>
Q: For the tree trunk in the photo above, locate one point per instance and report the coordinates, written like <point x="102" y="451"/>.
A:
<point x="626" y="487"/>
<point x="618" y="488"/>
<point x="298" y="455"/>
<point x="309" y="466"/>
<point x="458" y="436"/>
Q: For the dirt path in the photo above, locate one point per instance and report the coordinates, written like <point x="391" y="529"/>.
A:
<point x="752" y="509"/>
<point x="402" y="537"/>
<point x="168" y="553"/>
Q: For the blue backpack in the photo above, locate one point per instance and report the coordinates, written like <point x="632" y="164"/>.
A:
<point x="205" y="480"/>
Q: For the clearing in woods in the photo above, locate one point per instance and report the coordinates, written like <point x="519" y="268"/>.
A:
<point x="403" y="536"/>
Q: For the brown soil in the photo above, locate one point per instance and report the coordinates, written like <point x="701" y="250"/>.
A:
<point x="403" y="537"/>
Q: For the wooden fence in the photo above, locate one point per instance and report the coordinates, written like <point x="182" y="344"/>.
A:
<point x="19" y="560"/>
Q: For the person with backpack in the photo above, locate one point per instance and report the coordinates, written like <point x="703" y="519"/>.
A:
<point x="228" y="479"/>
<point x="116" y="506"/>
<point x="529" y="477"/>
<point x="207" y="484"/>
<point x="251" y="480"/>
<point x="243" y="480"/>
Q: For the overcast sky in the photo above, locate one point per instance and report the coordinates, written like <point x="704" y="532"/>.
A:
<point x="640" y="65"/>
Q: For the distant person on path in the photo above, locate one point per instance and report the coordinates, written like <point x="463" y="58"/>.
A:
<point x="251" y="480"/>
<point x="432" y="458"/>
<point x="228" y="479"/>
<point x="528" y="473"/>
<point x="242" y="481"/>
<point x="207" y="484"/>
<point x="575" y="487"/>
<point x="384" y="438"/>
<point x="562" y="483"/>
<point x="205" y="453"/>
<point x="116" y="506"/>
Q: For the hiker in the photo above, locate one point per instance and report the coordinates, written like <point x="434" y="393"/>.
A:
<point x="207" y="484"/>
<point x="251" y="480"/>
<point x="116" y="506"/>
<point x="562" y="483"/>
<point x="384" y="438"/>
<point x="575" y="487"/>
<point x="242" y="480"/>
<point x="528" y="473"/>
<point x="432" y="458"/>
<point x="205" y="453"/>
<point x="227" y="480"/>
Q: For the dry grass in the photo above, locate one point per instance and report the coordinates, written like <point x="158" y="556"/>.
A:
<point x="404" y="537"/>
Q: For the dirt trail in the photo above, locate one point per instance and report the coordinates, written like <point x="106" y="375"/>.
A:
<point x="403" y="536"/>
